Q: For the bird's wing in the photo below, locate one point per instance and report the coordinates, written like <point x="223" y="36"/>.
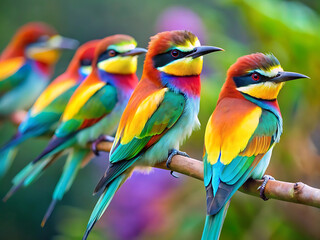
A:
<point x="57" y="88"/>
<point x="142" y="128"/>
<point x="49" y="106"/>
<point x="92" y="100"/>
<point x="12" y="73"/>
<point x="238" y="135"/>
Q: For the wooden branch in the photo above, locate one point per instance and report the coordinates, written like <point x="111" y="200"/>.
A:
<point x="289" y="192"/>
<point x="285" y="191"/>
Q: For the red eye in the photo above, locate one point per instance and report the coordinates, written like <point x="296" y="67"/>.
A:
<point x="174" y="53"/>
<point x="255" y="76"/>
<point x="112" y="53"/>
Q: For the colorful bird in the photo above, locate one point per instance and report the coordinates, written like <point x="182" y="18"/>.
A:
<point x="26" y="65"/>
<point x="94" y="109"/>
<point x="161" y="113"/>
<point x="47" y="110"/>
<point x="241" y="133"/>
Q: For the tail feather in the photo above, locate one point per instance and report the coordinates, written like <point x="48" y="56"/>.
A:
<point x="29" y="174"/>
<point x="70" y="171"/>
<point x="104" y="202"/>
<point x="213" y="224"/>
<point x="49" y="211"/>
<point x="15" y="140"/>
<point x="55" y="145"/>
<point x="26" y="176"/>
<point x="8" y="153"/>
<point x="6" y="159"/>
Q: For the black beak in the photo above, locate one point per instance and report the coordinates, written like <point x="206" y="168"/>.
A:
<point x="203" y="50"/>
<point x="287" y="76"/>
<point x="134" y="52"/>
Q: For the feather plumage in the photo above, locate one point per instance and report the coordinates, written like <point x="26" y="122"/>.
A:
<point x="94" y="108"/>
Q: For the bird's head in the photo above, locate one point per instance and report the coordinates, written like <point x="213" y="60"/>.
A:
<point x="82" y="60"/>
<point x="40" y="42"/>
<point x="259" y="75"/>
<point x="177" y="53"/>
<point x="117" y="54"/>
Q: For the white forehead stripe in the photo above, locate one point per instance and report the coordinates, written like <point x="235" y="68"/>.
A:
<point x="122" y="48"/>
<point x="272" y="72"/>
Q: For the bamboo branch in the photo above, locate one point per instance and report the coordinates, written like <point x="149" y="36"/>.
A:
<point x="290" y="192"/>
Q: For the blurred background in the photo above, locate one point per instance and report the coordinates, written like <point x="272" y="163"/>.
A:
<point x="159" y="206"/>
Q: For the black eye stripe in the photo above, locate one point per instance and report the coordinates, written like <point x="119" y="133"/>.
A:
<point x="246" y="80"/>
<point x="85" y="62"/>
<point x="105" y="55"/>
<point x="163" y="59"/>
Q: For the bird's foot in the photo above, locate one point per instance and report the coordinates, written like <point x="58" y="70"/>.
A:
<point x="265" y="178"/>
<point x="102" y="138"/>
<point x="171" y="154"/>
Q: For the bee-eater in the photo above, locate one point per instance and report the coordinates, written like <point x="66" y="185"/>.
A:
<point x="48" y="108"/>
<point x="27" y="63"/>
<point x="241" y="132"/>
<point x="161" y="113"/>
<point x="94" y="109"/>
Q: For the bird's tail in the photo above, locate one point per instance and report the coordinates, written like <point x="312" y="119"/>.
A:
<point x="104" y="202"/>
<point x="6" y="158"/>
<point x="69" y="173"/>
<point x="29" y="174"/>
<point x="9" y="151"/>
<point x="213" y="224"/>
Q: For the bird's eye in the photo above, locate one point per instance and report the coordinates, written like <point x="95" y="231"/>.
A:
<point x="174" y="53"/>
<point x="85" y="62"/>
<point x="111" y="53"/>
<point x="43" y="38"/>
<point x="255" y="76"/>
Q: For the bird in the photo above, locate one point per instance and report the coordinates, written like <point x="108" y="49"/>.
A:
<point x="161" y="113"/>
<point x="43" y="116"/>
<point x="242" y="132"/>
<point x="27" y="64"/>
<point x="94" y="109"/>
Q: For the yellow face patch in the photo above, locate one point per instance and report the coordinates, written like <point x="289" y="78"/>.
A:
<point x="186" y="66"/>
<point x="265" y="90"/>
<point x="45" y="55"/>
<point x="119" y="65"/>
<point x="183" y="67"/>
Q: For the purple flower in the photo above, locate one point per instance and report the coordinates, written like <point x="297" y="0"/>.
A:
<point x="140" y="205"/>
<point x="181" y="18"/>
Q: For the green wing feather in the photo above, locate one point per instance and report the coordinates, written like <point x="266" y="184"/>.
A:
<point x="98" y="106"/>
<point x="15" y="79"/>
<point x="230" y="177"/>
<point x="124" y="155"/>
<point x="165" y="116"/>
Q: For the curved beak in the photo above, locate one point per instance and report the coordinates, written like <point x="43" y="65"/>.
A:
<point x="134" y="52"/>
<point x="59" y="42"/>
<point x="287" y="76"/>
<point x="203" y="50"/>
